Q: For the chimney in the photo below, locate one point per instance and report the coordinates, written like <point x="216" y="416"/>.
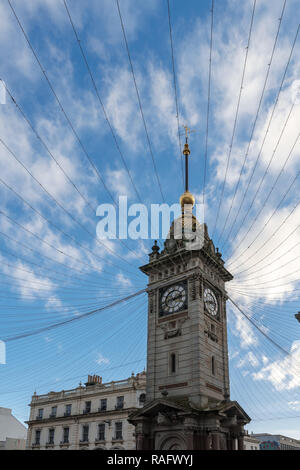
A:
<point x="93" y="380"/>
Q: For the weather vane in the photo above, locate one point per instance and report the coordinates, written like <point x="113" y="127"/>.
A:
<point x="187" y="131"/>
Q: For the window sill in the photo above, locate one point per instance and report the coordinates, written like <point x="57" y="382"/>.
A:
<point x="83" y="443"/>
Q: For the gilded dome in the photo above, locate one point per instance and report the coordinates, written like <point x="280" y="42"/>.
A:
<point x="187" y="198"/>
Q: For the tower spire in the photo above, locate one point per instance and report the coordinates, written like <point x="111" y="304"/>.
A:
<point x="187" y="197"/>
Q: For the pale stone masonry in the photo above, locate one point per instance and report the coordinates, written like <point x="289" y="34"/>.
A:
<point x="250" y="442"/>
<point x="91" y="417"/>
<point x="188" y="404"/>
<point x="277" y="441"/>
<point x="12" y="431"/>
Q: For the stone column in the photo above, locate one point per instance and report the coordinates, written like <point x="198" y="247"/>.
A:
<point x="208" y="442"/>
<point x="230" y="442"/>
<point x="140" y="441"/>
<point x="215" y="441"/>
<point x="241" y="442"/>
<point x="189" y="438"/>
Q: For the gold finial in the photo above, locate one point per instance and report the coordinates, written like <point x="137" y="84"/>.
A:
<point x="187" y="199"/>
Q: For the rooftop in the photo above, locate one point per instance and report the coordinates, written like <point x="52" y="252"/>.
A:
<point x="93" y="385"/>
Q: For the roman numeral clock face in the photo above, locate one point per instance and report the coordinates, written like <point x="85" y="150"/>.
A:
<point x="210" y="302"/>
<point x="173" y="299"/>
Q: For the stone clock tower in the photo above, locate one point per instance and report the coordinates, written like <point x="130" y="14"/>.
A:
<point x="188" y="402"/>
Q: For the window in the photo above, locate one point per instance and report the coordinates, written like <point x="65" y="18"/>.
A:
<point x="40" y="413"/>
<point x="68" y="410"/>
<point x="212" y="328"/>
<point x="53" y="412"/>
<point x="103" y="404"/>
<point x="173" y="363"/>
<point x="142" y="398"/>
<point x="213" y="367"/>
<point x="66" y="435"/>
<point x="85" y="433"/>
<point x="118" y="430"/>
<point x="37" y="436"/>
<point x="120" y="403"/>
<point x="87" y="407"/>
<point x="101" y="432"/>
<point x="51" y="436"/>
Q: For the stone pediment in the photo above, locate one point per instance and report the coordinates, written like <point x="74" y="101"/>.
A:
<point x="155" y="407"/>
<point x="226" y="409"/>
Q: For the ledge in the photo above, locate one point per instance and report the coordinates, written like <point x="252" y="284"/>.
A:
<point x="83" y="416"/>
<point x="84" y="443"/>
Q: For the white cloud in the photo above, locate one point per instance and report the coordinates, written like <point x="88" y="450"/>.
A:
<point x="123" y="280"/>
<point x="249" y="359"/>
<point x="101" y="359"/>
<point x="295" y="405"/>
<point x="282" y="374"/>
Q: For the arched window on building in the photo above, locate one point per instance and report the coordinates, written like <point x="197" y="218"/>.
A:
<point x="142" y="398"/>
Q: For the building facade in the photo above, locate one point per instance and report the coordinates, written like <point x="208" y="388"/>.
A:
<point x="12" y="432"/>
<point x="250" y="442"/>
<point x="90" y="417"/>
<point x="277" y="442"/>
<point x="188" y="402"/>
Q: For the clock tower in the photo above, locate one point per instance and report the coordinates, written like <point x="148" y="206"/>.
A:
<point x="188" y="402"/>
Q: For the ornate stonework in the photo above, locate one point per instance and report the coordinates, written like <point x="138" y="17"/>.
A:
<point x="187" y="393"/>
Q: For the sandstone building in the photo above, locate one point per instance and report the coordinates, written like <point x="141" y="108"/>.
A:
<point x="90" y="417"/>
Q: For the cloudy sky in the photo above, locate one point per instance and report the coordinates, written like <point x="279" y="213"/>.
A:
<point x="72" y="137"/>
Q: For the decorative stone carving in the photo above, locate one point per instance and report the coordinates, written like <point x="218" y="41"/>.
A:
<point x="192" y="286"/>
<point x="152" y="304"/>
<point x="212" y="335"/>
<point x="172" y="328"/>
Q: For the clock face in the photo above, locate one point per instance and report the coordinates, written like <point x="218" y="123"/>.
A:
<point x="173" y="299"/>
<point x="210" y="302"/>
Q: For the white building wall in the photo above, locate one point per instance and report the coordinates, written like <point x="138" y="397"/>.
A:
<point x="131" y="389"/>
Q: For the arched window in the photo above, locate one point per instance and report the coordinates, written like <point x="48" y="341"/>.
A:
<point x="142" y="398"/>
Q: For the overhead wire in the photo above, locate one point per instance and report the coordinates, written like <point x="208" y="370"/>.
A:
<point x="263" y="205"/>
<point x="139" y="101"/>
<point x="175" y="88"/>
<point x="208" y="104"/>
<point x="235" y="119"/>
<point x="254" y="123"/>
<point x="265" y="134"/>
<point x="100" y="100"/>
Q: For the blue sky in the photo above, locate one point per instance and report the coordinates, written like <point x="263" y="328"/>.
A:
<point x="53" y="268"/>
